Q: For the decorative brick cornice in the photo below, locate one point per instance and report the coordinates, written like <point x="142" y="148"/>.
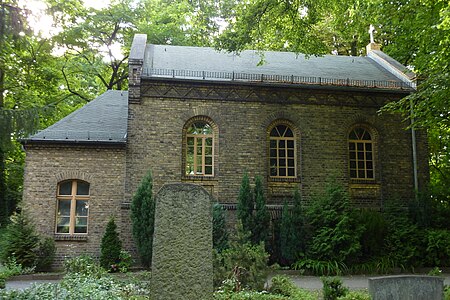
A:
<point x="272" y="94"/>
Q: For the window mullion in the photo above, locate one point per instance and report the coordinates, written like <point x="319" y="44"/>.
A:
<point x="203" y="155"/>
<point x="73" y="203"/>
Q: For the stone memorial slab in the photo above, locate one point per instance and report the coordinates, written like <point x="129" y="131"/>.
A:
<point x="406" y="287"/>
<point x="182" y="245"/>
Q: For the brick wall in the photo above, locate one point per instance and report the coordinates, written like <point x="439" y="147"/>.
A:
<point x="103" y="168"/>
<point x="243" y="114"/>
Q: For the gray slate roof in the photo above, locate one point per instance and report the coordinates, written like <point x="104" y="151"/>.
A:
<point x="103" y="120"/>
<point x="194" y="62"/>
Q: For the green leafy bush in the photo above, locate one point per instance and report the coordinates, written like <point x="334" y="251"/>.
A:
<point x="281" y="288"/>
<point x="321" y="268"/>
<point x="282" y="285"/>
<point x="438" y="247"/>
<point x="447" y="292"/>
<point x="220" y="234"/>
<point x="143" y="219"/>
<point x="374" y="232"/>
<point x="110" y="247"/>
<point x="333" y="288"/>
<point x="335" y="234"/>
<point x="243" y="262"/>
<point x="20" y="241"/>
<point x="45" y="252"/>
<point x="356" y="295"/>
<point x="76" y="286"/>
<point x="404" y="241"/>
<point x="125" y="261"/>
<point x="84" y="265"/>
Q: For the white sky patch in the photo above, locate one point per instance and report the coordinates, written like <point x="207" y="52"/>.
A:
<point x="38" y="19"/>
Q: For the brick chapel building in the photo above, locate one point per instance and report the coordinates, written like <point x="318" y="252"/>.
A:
<point x="206" y="117"/>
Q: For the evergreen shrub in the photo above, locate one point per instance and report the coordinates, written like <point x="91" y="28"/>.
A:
<point x="243" y="263"/>
<point x="333" y="288"/>
<point x="261" y="218"/>
<point x="111" y="247"/>
<point x="21" y="243"/>
<point x="220" y="233"/>
<point x="143" y="219"/>
<point x="245" y="204"/>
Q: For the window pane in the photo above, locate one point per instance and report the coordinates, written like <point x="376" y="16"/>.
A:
<point x="199" y="170"/>
<point x="199" y="150"/>
<point x="190" y="141"/>
<point x="353" y="135"/>
<point x="81" y="225"/>
<point x="290" y="144"/>
<point x="369" y="165"/>
<point x="352" y="155"/>
<point x="208" y="160"/>
<point x="353" y="173"/>
<point x="65" y="188"/>
<point x="352" y="164"/>
<point x="289" y="133"/>
<point x="62" y="224"/>
<point x="208" y="150"/>
<point x="290" y="162"/>
<point x="351" y="146"/>
<point x="273" y="144"/>
<point x="282" y="129"/>
<point x="281" y="153"/>
<point x="360" y="146"/>
<point x="361" y="174"/>
<point x="366" y="136"/>
<point x="369" y="147"/>
<point x="273" y="162"/>
<point x="274" y="132"/>
<point x="273" y="172"/>
<point x="369" y="155"/>
<point x="291" y="172"/>
<point x="64" y="208"/>
<point x="82" y="188"/>
<point x="282" y="172"/>
<point x="208" y="170"/>
<point x="361" y="165"/>
<point x="209" y="141"/>
<point x="370" y="174"/>
<point x="273" y="153"/>
<point x="360" y="155"/>
<point x="82" y="208"/>
<point x="282" y="144"/>
<point x="290" y="153"/>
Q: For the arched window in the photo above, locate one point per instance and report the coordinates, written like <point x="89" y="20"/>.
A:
<point x="282" y="152"/>
<point x="199" y="149"/>
<point x="361" y="154"/>
<point x="73" y="207"/>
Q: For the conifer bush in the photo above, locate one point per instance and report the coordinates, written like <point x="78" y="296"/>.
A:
<point x="111" y="247"/>
<point x="261" y="218"/>
<point x="143" y="219"/>
<point x="20" y="241"/>
<point x="220" y="234"/>
<point x="245" y="204"/>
